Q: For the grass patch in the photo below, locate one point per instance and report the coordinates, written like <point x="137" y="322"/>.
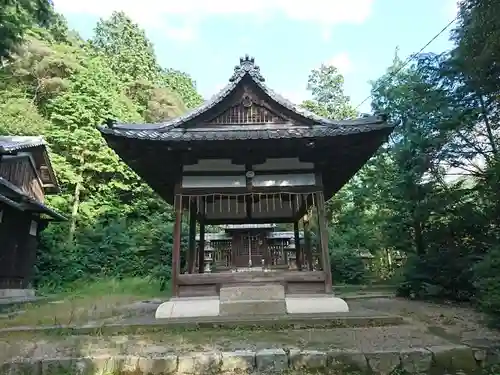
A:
<point x="364" y="289"/>
<point x="85" y="302"/>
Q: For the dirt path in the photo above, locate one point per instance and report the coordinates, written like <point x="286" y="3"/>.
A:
<point x="455" y="322"/>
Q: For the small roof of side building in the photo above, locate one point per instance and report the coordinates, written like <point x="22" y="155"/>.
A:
<point x="37" y="146"/>
<point x="247" y="119"/>
<point x="12" y="195"/>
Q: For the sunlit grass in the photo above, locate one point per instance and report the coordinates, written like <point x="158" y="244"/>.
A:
<point x="86" y="302"/>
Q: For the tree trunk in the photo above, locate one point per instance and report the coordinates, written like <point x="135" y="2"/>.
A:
<point x="74" y="211"/>
<point x="419" y="239"/>
<point x="486" y="120"/>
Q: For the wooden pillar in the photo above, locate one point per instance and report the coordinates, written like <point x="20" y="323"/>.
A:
<point x="323" y="230"/>
<point x="192" y="238"/>
<point x="201" y="246"/>
<point x="298" y="252"/>
<point x="307" y="244"/>
<point x="176" y="249"/>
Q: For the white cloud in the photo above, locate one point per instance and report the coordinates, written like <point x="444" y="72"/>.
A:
<point x="156" y="13"/>
<point x="451" y="8"/>
<point x="342" y="62"/>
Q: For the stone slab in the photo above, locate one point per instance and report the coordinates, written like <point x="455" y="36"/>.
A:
<point x="188" y="308"/>
<point x="239" y="360"/>
<point x="271" y="360"/>
<point x="307" y="359"/>
<point x="17" y="293"/>
<point x="253" y="307"/>
<point x="315" y="305"/>
<point x="199" y="363"/>
<point x="252" y="292"/>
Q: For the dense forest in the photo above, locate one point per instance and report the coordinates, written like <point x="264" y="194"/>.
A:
<point x="431" y="193"/>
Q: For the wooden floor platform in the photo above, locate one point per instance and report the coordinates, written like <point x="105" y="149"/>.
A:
<point x="209" y="284"/>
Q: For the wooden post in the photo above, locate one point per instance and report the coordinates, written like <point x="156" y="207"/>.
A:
<point x="201" y="245"/>
<point x="176" y="249"/>
<point x="323" y="230"/>
<point x="307" y="244"/>
<point x="298" y="253"/>
<point x="192" y="238"/>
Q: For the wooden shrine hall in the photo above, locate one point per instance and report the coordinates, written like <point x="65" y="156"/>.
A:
<point x="248" y="156"/>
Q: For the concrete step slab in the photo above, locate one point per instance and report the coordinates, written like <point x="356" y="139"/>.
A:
<point x="252" y="292"/>
<point x="253" y="307"/>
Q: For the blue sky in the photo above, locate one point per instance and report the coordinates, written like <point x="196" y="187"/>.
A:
<point x="288" y="39"/>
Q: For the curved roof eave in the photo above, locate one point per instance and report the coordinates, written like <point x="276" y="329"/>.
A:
<point x="244" y="69"/>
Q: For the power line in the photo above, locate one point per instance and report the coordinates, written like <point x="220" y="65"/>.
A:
<point x="411" y="57"/>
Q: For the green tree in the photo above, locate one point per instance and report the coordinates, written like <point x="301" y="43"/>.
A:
<point x="326" y="85"/>
<point x="93" y="97"/>
<point x="19" y="16"/>
<point x="182" y="84"/>
<point x="130" y="54"/>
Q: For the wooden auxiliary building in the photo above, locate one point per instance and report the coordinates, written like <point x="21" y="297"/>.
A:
<point x="26" y="176"/>
<point x="249" y="156"/>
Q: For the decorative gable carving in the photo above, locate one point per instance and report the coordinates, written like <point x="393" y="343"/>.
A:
<point x="248" y="110"/>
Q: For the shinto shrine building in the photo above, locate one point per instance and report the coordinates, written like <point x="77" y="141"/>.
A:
<point x="249" y="157"/>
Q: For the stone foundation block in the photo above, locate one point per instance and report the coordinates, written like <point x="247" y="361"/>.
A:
<point x="383" y="362"/>
<point x="20" y="368"/>
<point x="347" y="360"/>
<point x="199" y="363"/>
<point x="17" y="293"/>
<point x="240" y="360"/>
<point x="453" y="358"/>
<point x="77" y="366"/>
<point x="416" y="360"/>
<point x="310" y="359"/>
<point x="166" y="364"/>
<point x="274" y="360"/>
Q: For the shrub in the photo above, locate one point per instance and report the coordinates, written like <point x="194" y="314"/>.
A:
<point x="487" y="282"/>
<point x="347" y="267"/>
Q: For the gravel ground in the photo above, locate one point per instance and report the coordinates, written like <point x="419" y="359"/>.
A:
<point x="455" y="322"/>
<point x="428" y="324"/>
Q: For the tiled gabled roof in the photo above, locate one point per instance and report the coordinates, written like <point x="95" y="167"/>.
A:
<point x="170" y="130"/>
<point x="15" y="143"/>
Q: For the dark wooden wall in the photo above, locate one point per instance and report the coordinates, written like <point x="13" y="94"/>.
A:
<point x="17" y="249"/>
<point x="20" y="172"/>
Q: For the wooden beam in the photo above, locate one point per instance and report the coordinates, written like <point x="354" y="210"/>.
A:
<point x="325" y="254"/>
<point x="307" y="244"/>
<point x="298" y="252"/>
<point x="176" y="249"/>
<point x="192" y="237"/>
<point x="242" y="173"/>
<point x="264" y="220"/>
<point x="255" y="190"/>
<point x="201" y="246"/>
<point x="251" y="277"/>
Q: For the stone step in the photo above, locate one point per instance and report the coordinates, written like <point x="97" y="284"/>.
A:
<point x="253" y="307"/>
<point x="252" y="293"/>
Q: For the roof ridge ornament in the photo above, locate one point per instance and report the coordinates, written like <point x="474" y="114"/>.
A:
<point x="247" y="66"/>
